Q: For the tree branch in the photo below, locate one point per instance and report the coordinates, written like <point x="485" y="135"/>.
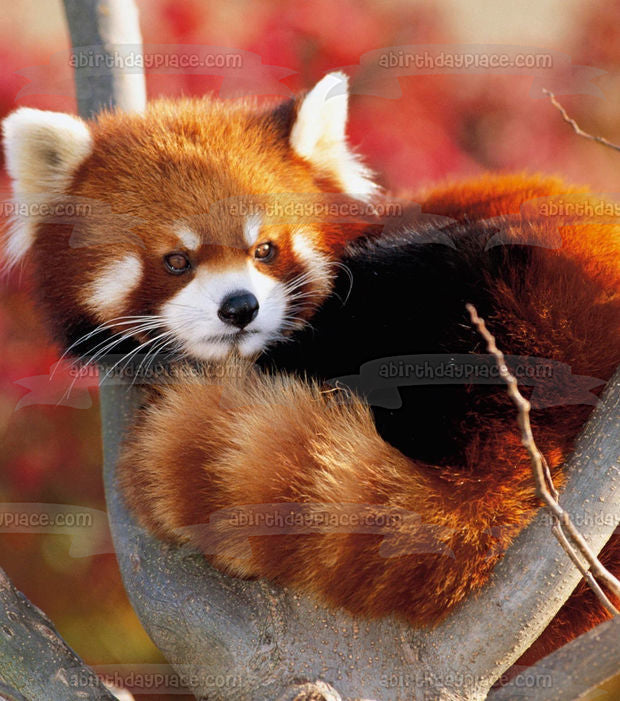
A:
<point x="35" y="662"/>
<point x="571" y="672"/>
<point x="545" y="489"/>
<point x="105" y="33"/>
<point x="576" y="128"/>
<point x="260" y="641"/>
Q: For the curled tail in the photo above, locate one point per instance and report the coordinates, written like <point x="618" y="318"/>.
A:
<point x="273" y="477"/>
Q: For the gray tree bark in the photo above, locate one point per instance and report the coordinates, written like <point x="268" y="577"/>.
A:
<point x="35" y="663"/>
<point x="105" y="38"/>
<point x="250" y="640"/>
<point x="573" y="671"/>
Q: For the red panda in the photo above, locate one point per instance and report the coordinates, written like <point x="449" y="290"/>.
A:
<point x="165" y="264"/>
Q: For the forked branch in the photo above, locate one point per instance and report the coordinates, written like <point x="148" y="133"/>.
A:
<point x="565" y="531"/>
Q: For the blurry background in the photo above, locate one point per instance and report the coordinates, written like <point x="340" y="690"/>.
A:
<point x="443" y="125"/>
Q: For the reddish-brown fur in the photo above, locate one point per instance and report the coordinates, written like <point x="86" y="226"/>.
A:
<point x="200" y="451"/>
<point x="187" y="161"/>
<point x="273" y="440"/>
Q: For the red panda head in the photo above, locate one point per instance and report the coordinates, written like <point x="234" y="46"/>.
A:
<point x="189" y="226"/>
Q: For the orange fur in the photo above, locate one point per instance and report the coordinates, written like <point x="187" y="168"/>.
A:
<point x="195" y="161"/>
<point x="261" y="443"/>
<point x="262" y="440"/>
<point x="275" y="440"/>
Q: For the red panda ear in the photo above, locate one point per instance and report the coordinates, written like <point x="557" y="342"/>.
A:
<point x="318" y="134"/>
<point x="42" y="150"/>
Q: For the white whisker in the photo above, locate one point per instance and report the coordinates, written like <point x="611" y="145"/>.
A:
<point x="105" y="346"/>
<point x="119" y="320"/>
<point x="132" y="353"/>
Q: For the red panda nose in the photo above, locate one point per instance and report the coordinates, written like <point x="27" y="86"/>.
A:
<point x="238" y="309"/>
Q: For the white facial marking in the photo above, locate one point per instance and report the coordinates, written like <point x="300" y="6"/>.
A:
<point x="193" y="312"/>
<point x="189" y="239"/>
<point x="114" y="284"/>
<point x="251" y="229"/>
<point x="316" y="263"/>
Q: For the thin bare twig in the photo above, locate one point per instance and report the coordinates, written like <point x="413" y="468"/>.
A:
<point x="563" y="529"/>
<point x="587" y="575"/>
<point x="576" y="128"/>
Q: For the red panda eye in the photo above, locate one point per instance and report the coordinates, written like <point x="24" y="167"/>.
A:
<point x="265" y="252"/>
<point x="177" y="263"/>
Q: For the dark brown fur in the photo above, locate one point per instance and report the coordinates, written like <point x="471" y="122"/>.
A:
<point x="204" y="453"/>
<point x="182" y="160"/>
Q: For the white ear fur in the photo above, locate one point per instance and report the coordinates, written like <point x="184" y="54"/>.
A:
<point x="318" y="135"/>
<point x="42" y="150"/>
